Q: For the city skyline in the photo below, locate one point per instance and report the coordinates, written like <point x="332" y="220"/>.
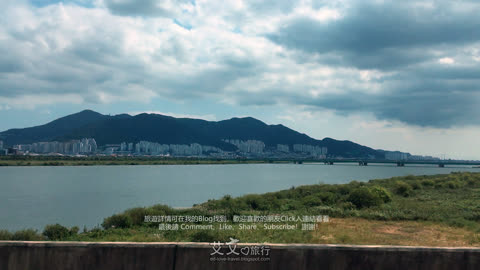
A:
<point x="245" y="149"/>
<point x="281" y="143"/>
<point x="385" y="74"/>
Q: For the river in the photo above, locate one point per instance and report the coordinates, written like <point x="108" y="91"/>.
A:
<point x="32" y="197"/>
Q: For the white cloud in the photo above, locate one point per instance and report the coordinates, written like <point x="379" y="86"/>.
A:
<point x="446" y="60"/>
<point x="179" y="50"/>
<point x="31" y="102"/>
<point x="225" y="57"/>
<point x="459" y="143"/>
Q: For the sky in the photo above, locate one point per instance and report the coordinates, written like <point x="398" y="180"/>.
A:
<point x="394" y="75"/>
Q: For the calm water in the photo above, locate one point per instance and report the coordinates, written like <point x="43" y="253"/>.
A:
<point x="31" y="197"/>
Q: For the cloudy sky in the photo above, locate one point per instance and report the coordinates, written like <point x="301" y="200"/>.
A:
<point x="396" y="75"/>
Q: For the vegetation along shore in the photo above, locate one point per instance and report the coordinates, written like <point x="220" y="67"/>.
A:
<point x="122" y="160"/>
<point x="435" y="210"/>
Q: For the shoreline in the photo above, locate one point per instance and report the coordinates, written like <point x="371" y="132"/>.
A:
<point x="32" y="161"/>
<point x="435" y="210"/>
<point x="48" y="161"/>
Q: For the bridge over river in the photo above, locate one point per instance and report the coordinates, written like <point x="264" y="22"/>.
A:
<point x="401" y="163"/>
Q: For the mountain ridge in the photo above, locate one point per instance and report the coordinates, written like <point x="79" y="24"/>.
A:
<point x="107" y="129"/>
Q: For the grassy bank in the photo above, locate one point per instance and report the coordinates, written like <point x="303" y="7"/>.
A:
<point x="109" y="160"/>
<point x="438" y="210"/>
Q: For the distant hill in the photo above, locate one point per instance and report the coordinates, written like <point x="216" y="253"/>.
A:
<point x="52" y="130"/>
<point x="170" y="130"/>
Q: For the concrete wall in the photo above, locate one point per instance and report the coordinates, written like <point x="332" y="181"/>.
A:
<point x="86" y="255"/>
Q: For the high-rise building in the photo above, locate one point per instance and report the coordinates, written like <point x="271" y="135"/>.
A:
<point x="76" y="148"/>
<point x="1" y="145"/>
<point x="395" y="155"/>
<point x="137" y="148"/>
<point x="249" y="146"/>
<point x="283" y="148"/>
<point x="310" y="149"/>
<point x="123" y="146"/>
<point x="84" y="146"/>
<point x="194" y="149"/>
<point x="93" y="145"/>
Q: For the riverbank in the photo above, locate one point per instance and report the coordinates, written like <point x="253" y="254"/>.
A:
<point x="436" y="210"/>
<point x="109" y="160"/>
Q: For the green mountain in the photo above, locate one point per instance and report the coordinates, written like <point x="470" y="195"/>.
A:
<point x="170" y="130"/>
<point x="52" y="130"/>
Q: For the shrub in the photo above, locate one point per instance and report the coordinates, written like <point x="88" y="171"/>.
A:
<point x="117" y="221"/>
<point x="344" y="189"/>
<point x="289" y="205"/>
<point x="56" y="232"/>
<point x="96" y="233"/>
<point x="428" y="183"/>
<point x="137" y="215"/>
<point x="364" y="197"/>
<point x="355" y="184"/>
<point x="26" y="235"/>
<point x="303" y="191"/>
<point x="439" y="185"/>
<point x="415" y="185"/>
<point x="230" y="213"/>
<point x="160" y="209"/>
<point x="5" y="235"/>
<point x="410" y="177"/>
<point x="74" y="230"/>
<point x="327" y="197"/>
<point x="403" y="189"/>
<point x="347" y="206"/>
<point x="382" y="193"/>
<point x="269" y="202"/>
<point x="453" y="184"/>
<point x="311" y="200"/>
<point x="204" y="236"/>
<point x="256" y="202"/>
<point x="462" y="223"/>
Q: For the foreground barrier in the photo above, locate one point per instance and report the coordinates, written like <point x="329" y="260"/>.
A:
<point x="119" y="255"/>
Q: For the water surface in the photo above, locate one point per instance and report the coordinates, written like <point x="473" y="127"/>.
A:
<point x="32" y="197"/>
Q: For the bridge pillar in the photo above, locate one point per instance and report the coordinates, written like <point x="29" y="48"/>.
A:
<point x="400" y="164"/>
<point x="362" y="163"/>
<point x="441" y="165"/>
